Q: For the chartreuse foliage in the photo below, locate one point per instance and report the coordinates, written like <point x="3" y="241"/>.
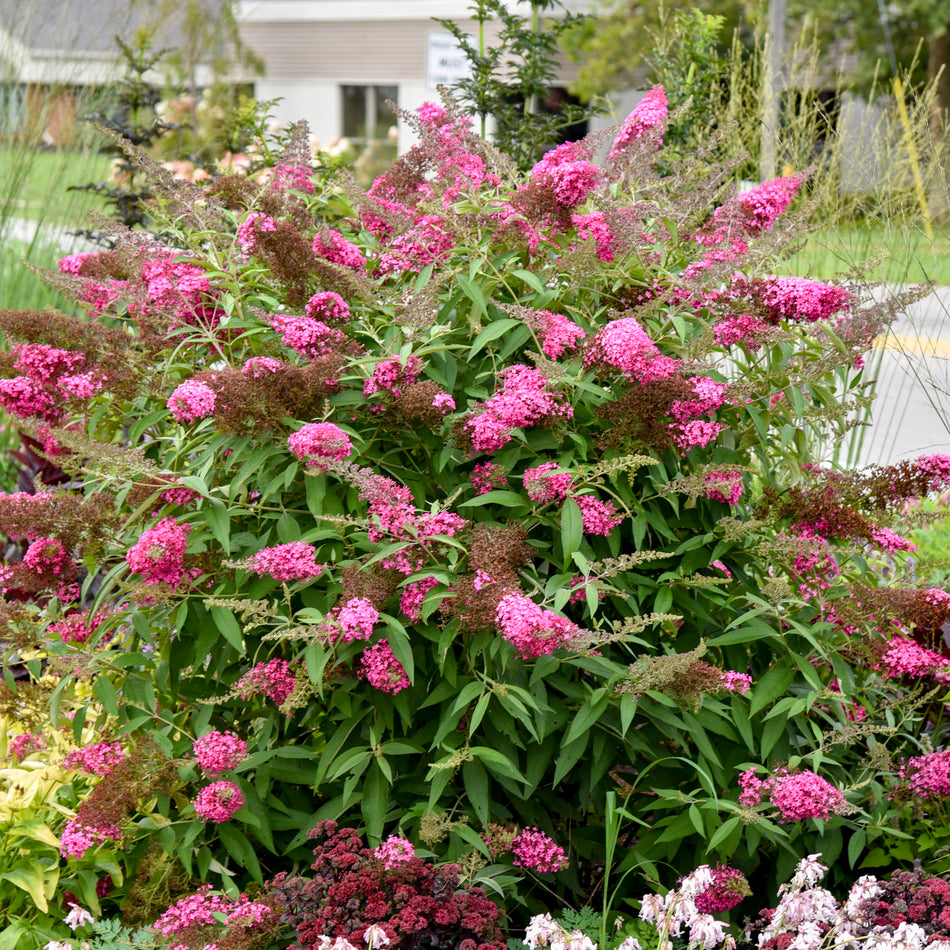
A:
<point x="557" y="643"/>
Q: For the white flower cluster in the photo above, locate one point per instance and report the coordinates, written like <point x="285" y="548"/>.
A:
<point x="677" y="909"/>
<point x="544" y="931"/>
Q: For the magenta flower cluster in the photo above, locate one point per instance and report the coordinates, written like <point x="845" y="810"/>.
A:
<point x="798" y="796"/>
<point x="293" y="561"/>
<point x="158" y="556"/>
<point x="218" y="801"/>
<point x="533" y="850"/>
<point x="219" y="752"/>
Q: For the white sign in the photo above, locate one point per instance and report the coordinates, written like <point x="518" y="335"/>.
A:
<point x="445" y="62"/>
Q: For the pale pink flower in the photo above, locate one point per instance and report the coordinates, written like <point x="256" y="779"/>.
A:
<point x="318" y="441"/>
<point x="381" y="669"/>
<point x="191" y="401"/>
<point x="647" y="121"/>
<point x="394" y="851"/>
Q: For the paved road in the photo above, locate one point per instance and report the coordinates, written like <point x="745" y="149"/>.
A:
<point x="911" y="415"/>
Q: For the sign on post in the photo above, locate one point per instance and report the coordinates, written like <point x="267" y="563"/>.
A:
<point x="445" y="62"/>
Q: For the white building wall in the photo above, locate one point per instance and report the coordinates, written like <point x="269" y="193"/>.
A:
<point x="317" y="101"/>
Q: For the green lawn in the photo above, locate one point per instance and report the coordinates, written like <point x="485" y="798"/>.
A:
<point x="35" y="185"/>
<point x="901" y="254"/>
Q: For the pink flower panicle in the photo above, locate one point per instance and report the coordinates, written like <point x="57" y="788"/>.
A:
<point x="219" y="752"/>
<point x="382" y="670"/>
<point x="394" y="851"/>
<point x="78" y="838"/>
<point x="99" y="758"/>
<point x="486" y="476"/>
<point x="558" y="333"/>
<point x="647" y="122"/>
<point x="356" y="619"/>
<point x="273" y="679"/>
<point x="532" y="630"/>
<point x="329" y="307"/>
<point x="413" y="595"/>
<point x="797" y="795"/>
<point x="19" y="747"/>
<point x="729" y="886"/>
<point x="294" y="561"/>
<point x="544" y="487"/>
<point x="733" y="682"/>
<point x="598" y="517"/>
<point x="199" y="909"/>
<point x="905" y="657"/>
<point x="765" y="203"/>
<point x="524" y="400"/>
<point x="533" y="850"/>
<point x="158" y="555"/>
<point x="624" y="345"/>
<point x="332" y="246"/>
<point x="218" y="801"/>
<point x="798" y="299"/>
<point x="724" y="486"/>
<point x="595" y="225"/>
<point x="393" y="375"/>
<point x="250" y="228"/>
<point x="306" y="335"/>
<point x="192" y="400"/>
<point x="318" y="441"/>
<point x="928" y="776"/>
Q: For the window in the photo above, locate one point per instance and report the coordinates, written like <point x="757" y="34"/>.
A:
<point x="365" y="114"/>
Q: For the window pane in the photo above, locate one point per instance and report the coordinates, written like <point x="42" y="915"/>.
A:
<point x="354" y="111"/>
<point x="384" y="116"/>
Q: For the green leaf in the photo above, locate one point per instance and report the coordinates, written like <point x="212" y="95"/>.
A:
<point x="856" y="845"/>
<point x="30" y="879"/>
<point x="218" y="519"/>
<point x="586" y="716"/>
<point x="771" y="686"/>
<point x="106" y="694"/>
<point x="491" y="332"/>
<point x="722" y="833"/>
<point x="507" y="499"/>
<point x="227" y="624"/>
<point x="375" y="803"/>
<point x="240" y="849"/>
<point x="476" y="783"/>
<point x="474" y="293"/>
<point x="572" y="531"/>
<point x="497" y="762"/>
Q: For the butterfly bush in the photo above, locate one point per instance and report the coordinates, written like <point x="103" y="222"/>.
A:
<point x="469" y="500"/>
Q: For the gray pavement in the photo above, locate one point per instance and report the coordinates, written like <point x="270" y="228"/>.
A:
<point x="911" y="414"/>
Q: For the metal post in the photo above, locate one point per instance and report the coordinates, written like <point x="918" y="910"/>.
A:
<point x="772" y="86"/>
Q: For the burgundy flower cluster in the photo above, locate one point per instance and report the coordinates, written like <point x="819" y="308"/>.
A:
<point x="412" y="901"/>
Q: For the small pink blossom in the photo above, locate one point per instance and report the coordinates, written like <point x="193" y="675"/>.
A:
<point x="381" y="669"/>
<point x="320" y="440"/>
<point x="158" y="555"/>
<point x="394" y="851"/>
<point x="533" y="850"/>
<point x="413" y="595"/>
<point x="294" y="561"/>
<point x="724" y="486"/>
<point x="219" y="752"/>
<point x="218" y="802"/>
<point x="598" y="517"/>
<point x="191" y="401"/>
